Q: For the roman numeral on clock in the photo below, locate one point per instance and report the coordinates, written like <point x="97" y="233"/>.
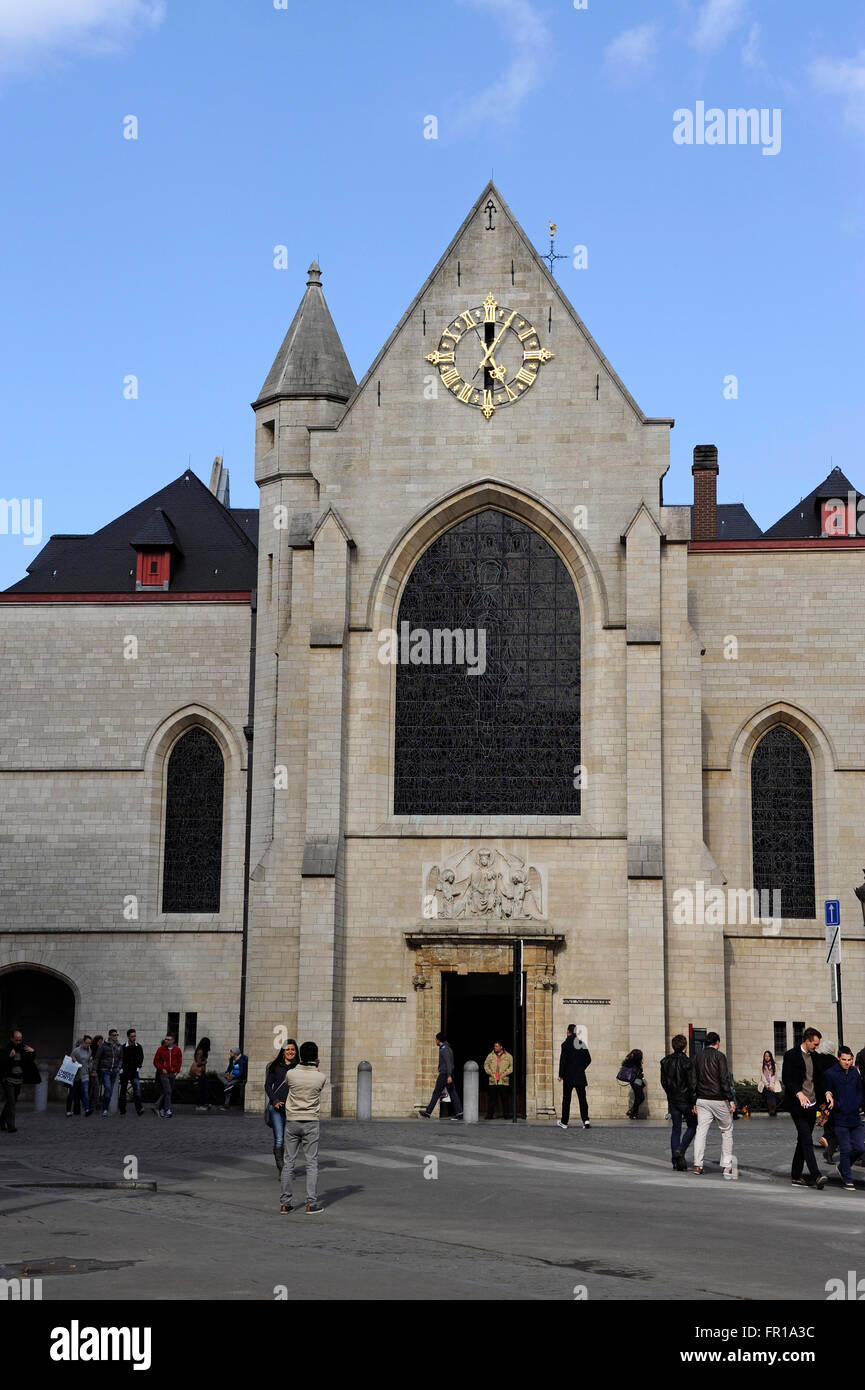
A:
<point x="465" y="394"/>
<point x="450" y="377"/>
<point x="525" y="376"/>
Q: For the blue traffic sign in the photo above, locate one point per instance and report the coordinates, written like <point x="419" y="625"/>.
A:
<point x="833" y="912"/>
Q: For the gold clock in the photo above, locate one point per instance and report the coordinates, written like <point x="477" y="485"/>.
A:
<point x="489" y="356"/>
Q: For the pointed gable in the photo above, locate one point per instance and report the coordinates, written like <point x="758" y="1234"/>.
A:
<point x="806" y="518"/>
<point x="471" y="260"/>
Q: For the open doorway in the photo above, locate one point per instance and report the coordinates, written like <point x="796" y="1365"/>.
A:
<point x="42" y="1005"/>
<point x="477" y="1009"/>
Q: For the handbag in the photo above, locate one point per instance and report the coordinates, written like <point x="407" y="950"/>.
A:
<point x="68" y="1070"/>
<point x="626" y="1074"/>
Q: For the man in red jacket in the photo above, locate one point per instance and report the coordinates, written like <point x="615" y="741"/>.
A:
<point x="167" y="1060"/>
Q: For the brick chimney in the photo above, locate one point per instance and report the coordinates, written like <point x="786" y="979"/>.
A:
<point x="704" y="518"/>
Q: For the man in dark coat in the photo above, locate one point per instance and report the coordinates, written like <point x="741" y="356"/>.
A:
<point x="573" y="1060"/>
<point x="17" y="1068"/>
<point x="680" y="1087"/>
<point x="845" y="1092"/>
<point x="802" y="1077"/>
<point x="444" y="1081"/>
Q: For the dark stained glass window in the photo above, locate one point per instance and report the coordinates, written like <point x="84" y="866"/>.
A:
<point x="193" y="825"/>
<point x="782" y="820"/>
<point x="504" y="741"/>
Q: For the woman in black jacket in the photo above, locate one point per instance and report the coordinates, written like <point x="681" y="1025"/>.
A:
<point x="634" y="1060"/>
<point x="276" y="1090"/>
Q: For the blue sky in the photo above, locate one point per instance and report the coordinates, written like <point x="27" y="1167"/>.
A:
<point x="303" y="126"/>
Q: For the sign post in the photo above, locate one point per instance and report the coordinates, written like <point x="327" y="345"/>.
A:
<point x="832" y="909"/>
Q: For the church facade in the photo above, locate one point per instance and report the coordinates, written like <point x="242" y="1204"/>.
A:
<point x="468" y="728"/>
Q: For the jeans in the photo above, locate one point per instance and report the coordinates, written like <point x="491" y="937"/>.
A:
<point x="499" y="1097"/>
<point x="277" y="1118"/>
<point x="639" y="1095"/>
<point x="804" y="1152"/>
<point x="300" y="1134"/>
<point x="719" y="1111"/>
<point x="166" y="1081"/>
<point x="11" y="1091"/>
<point x="442" y="1084"/>
<point x="133" y="1081"/>
<point x="567" y="1088"/>
<point x="681" y="1114"/>
<point x="851" y="1142"/>
<point x="79" y="1089"/>
<point x="109" y="1081"/>
<point x="201" y="1089"/>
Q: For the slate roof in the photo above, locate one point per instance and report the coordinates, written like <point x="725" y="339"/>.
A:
<point x="215" y="552"/>
<point x="312" y="360"/>
<point x="735" y="523"/>
<point x="805" y="518"/>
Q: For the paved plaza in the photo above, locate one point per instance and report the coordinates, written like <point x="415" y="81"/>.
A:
<point x="525" y="1211"/>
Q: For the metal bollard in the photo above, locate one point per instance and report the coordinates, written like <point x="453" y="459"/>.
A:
<point x="364" y="1090"/>
<point x="40" y="1092"/>
<point x="471" y="1082"/>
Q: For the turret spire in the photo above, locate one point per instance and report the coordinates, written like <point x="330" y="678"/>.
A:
<point x="311" y="360"/>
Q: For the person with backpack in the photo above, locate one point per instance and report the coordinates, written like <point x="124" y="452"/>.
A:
<point x="631" y="1071"/>
<point x="680" y="1087"/>
<point x="574" y="1058"/>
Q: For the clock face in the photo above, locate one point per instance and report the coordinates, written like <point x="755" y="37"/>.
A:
<point x="489" y="356"/>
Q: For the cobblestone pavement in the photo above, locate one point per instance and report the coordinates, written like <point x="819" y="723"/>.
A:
<point x="414" y="1209"/>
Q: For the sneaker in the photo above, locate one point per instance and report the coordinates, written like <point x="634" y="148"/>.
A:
<point x="201" y="1109"/>
<point x="424" y="1115"/>
<point x="800" y="1182"/>
<point x="560" y="1125"/>
<point x="820" y="1182"/>
<point x="313" y="1208"/>
<point x="587" y="1124"/>
<point x="286" y="1208"/>
<point x="849" y="1187"/>
<point x="168" y="1114"/>
<point x="457" y="1117"/>
<point x="699" y="1171"/>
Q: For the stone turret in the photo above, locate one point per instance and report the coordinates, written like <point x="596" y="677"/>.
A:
<point x="308" y="384"/>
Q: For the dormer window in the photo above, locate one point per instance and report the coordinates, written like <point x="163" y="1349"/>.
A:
<point x="154" y="568"/>
<point x="154" y="545"/>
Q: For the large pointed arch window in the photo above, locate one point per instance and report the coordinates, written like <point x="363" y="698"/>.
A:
<point x="782" y="820"/>
<point x="192" y="865"/>
<point x="499" y="735"/>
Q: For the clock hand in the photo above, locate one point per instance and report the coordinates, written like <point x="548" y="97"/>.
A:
<point x="493" y="345"/>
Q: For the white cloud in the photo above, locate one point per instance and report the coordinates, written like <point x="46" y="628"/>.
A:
<point x="31" y="30"/>
<point x="750" y="53"/>
<point x="633" y="49"/>
<point x="717" y="20"/>
<point x="526" y="29"/>
<point x="844" y="77"/>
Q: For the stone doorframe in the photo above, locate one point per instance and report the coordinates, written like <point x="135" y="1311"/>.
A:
<point x="488" y="952"/>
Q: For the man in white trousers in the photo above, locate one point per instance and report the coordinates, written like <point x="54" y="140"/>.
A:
<point x="714" y="1102"/>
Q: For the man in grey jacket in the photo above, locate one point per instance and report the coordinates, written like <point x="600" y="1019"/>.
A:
<point x="444" y="1080"/>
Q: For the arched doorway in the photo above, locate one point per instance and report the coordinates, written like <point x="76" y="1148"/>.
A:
<point x="42" y="1005"/>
